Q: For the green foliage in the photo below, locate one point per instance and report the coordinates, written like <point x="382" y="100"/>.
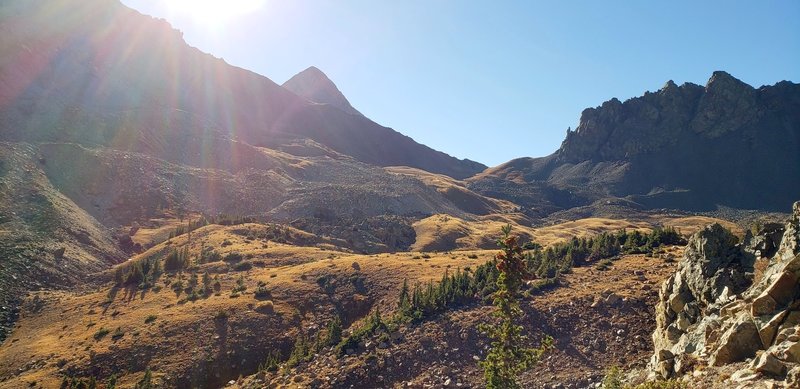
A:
<point x="371" y="325"/>
<point x="243" y="266"/>
<point x="262" y="292"/>
<point x="143" y="273"/>
<point x="234" y="256"/>
<point x="508" y="356"/>
<point x="118" y="333"/>
<point x="147" y="380"/>
<point x="272" y="362"/>
<point x="79" y="383"/>
<point x="177" y="259"/>
<point x="613" y="379"/>
<point x="301" y="352"/>
<point x="333" y="334"/>
<point x="561" y="257"/>
<point x="101" y="333"/>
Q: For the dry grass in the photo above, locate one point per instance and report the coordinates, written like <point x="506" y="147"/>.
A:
<point x="60" y="331"/>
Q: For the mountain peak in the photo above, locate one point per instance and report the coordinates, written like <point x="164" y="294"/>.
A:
<point x="723" y="80"/>
<point x="315" y="86"/>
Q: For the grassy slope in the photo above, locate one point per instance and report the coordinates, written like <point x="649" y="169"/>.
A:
<point x="55" y="333"/>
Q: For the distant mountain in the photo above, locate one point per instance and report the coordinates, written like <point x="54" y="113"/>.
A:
<point x="314" y="85"/>
<point x="98" y="73"/>
<point x="688" y="147"/>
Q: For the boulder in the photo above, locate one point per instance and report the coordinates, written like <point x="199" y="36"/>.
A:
<point x="739" y="342"/>
<point x="768" y="327"/>
<point x="792" y="352"/>
<point x="767" y="363"/>
<point x="713" y="261"/>
<point x="763" y="304"/>
<point x="784" y="288"/>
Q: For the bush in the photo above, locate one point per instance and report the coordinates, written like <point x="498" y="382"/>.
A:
<point x="177" y="260"/>
<point x="272" y="362"/>
<point x="101" y="333"/>
<point x="149" y="319"/>
<point x="262" y="292"/>
<point x="243" y="266"/>
<point x="233" y="257"/>
<point x="118" y="333"/>
<point x="613" y="379"/>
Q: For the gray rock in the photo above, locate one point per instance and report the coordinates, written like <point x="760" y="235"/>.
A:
<point x="739" y="342"/>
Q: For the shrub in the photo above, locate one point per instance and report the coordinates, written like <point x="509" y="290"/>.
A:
<point x="272" y="362"/>
<point x="149" y="319"/>
<point x="146" y="381"/>
<point x="262" y="292"/>
<point x="243" y="266"/>
<point x="221" y="315"/>
<point x="118" y="333"/>
<point x="233" y="257"/>
<point x="613" y="379"/>
<point x="101" y="333"/>
<point x="177" y="260"/>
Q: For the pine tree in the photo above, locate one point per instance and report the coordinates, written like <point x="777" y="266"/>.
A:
<point x="508" y="356"/>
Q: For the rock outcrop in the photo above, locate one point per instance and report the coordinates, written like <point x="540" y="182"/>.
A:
<point x="713" y="312"/>
<point x="644" y="150"/>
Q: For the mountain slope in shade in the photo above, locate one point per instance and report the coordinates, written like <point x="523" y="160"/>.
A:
<point x="688" y="147"/>
<point x="314" y="85"/>
<point x="98" y="73"/>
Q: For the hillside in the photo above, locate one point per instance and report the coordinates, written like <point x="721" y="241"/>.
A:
<point x="307" y="280"/>
<point x="687" y="147"/>
<point x="73" y="80"/>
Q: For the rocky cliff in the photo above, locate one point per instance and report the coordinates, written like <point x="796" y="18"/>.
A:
<point x="687" y="147"/>
<point x="717" y="311"/>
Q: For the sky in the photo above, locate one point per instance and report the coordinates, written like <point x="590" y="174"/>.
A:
<point x="493" y="80"/>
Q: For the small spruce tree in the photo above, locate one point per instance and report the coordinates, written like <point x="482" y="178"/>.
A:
<point x="509" y="356"/>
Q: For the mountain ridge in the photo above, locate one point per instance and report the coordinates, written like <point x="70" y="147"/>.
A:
<point x="647" y="149"/>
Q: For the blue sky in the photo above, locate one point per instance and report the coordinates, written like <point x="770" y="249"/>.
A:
<point x="494" y="80"/>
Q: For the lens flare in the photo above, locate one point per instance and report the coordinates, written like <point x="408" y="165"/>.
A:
<point x="214" y="12"/>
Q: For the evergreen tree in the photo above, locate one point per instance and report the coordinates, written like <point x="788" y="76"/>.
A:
<point x="508" y="356"/>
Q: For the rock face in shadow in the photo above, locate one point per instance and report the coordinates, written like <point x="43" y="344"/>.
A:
<point x="687" y="147"/>
<point x="712" y="313"/>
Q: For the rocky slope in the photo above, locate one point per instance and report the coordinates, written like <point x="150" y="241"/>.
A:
<point x="725" y="322"/>
<point x="687" y="147"/>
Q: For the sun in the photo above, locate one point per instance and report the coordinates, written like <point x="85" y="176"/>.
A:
<point x="214" y="12"/>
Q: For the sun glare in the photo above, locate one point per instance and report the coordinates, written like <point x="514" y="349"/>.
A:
<point x="214" y="12"/>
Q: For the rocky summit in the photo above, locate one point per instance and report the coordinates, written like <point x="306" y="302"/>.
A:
<point x="646" y="150"/>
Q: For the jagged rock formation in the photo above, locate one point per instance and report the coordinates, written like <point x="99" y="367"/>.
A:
<point x="712" y="313"/>
<point x="685" y="147"/>
<point x="314" y="85"/>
